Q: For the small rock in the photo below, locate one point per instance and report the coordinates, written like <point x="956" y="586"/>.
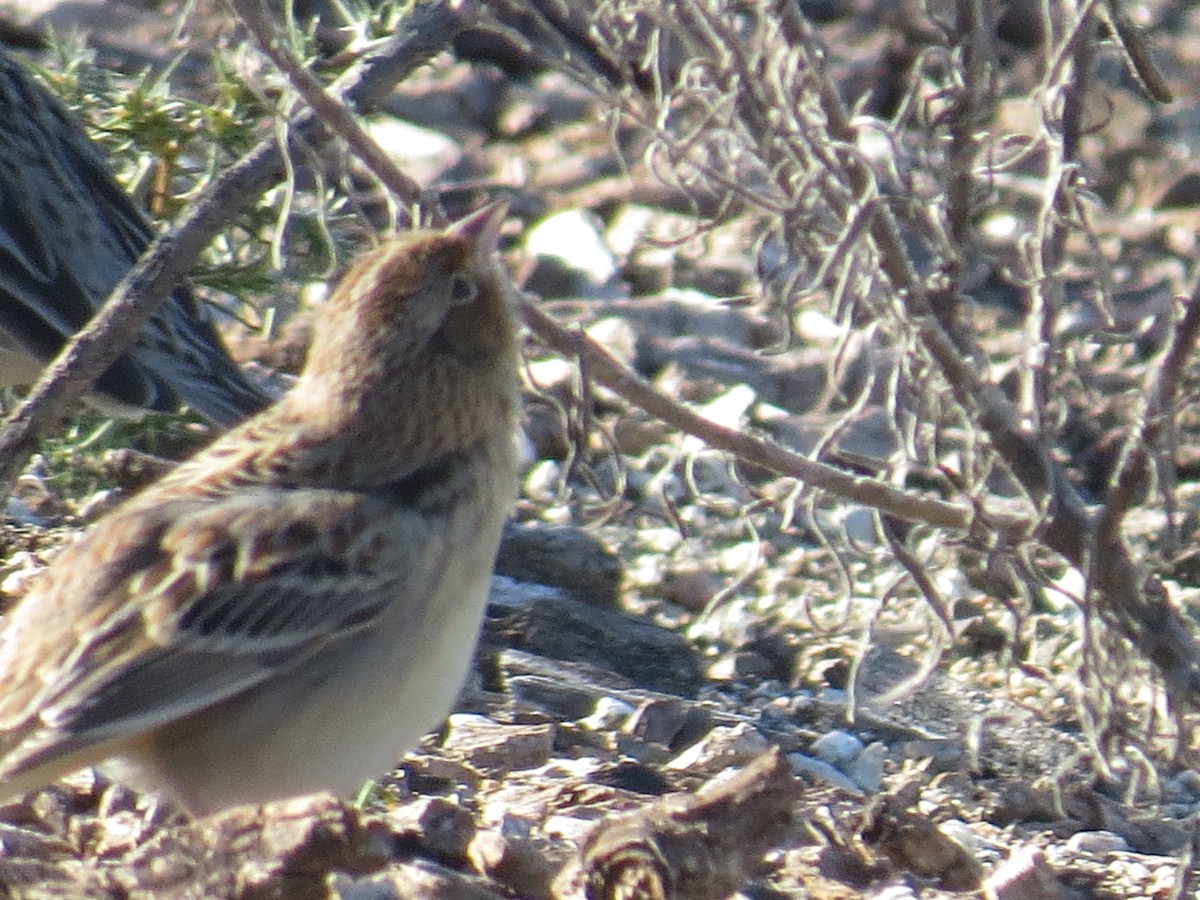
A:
<point x="570" y="559"/>
<point x="649" y="271"/>
<point x="491" y="745"/>
<point x="725" y="746"/>
<point x="19" y="511"/>
<point x="670" y="722"/>
<point x="837" y="747"/>
<point x="26" y="567"/>
<point x="546" y="431"/>
<point x="692" y="588"/>
<point x="816" y="768"/>
<point x="99" y="504"/>
<point x="1096" y="842"/>
<point x="1023" y="876"/>
<point x="542" y="480"/>
<point x="443" y="827"/>
<point x="573" y="238"/>
<point x="738" y="666"/>
<point x="509" y="594"/>
<point x="422" y="153"/>
<point x="616" y="336"/>
<point x="960" y="832"/>
<point x="516" y="863"/>
<point x="867" y="768"/>
<point x="609" y="713"/>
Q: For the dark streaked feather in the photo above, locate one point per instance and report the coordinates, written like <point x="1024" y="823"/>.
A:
<point x="68" y="234"/>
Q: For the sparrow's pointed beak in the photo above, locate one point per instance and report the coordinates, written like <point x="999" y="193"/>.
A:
<point x="483" y="226"/>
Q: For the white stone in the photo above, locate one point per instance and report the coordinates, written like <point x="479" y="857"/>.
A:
<point x="837" y="747"/>
<point x="867" y="768"/>
<point x="807" y="765"/>
<point x="574" y="237"/>
<point x="1096" y="842"/>
<point x="608" y="714"/>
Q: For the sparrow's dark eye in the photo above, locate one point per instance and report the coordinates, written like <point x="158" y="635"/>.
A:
<point x="462" y="288"/>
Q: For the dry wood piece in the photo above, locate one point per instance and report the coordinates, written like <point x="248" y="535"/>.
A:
<point x="491" y="745"/>
<point x="914" y="843"/>
<point x="280" y="849"/>
<point x="688" y="847"/>
<point x="436" y="827"/>
<point x="520" y="865"/>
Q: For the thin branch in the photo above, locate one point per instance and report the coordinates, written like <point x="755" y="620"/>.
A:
<point x="613" y="374"/>
<point x="334" y="114"/>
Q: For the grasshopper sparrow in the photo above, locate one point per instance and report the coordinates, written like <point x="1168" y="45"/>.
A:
<point x="68" y="234"/>
<point x="292" y="608"/>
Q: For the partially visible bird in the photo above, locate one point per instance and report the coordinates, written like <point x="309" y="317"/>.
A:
<point x="68" y="234"/>
<point x="292" y="608"/>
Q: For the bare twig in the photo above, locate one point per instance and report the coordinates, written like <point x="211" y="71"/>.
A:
<point x="334" y="114"/>
<point x="607" y="370"/>
<point x="697" y="846"/>
<point x="1137" y="54"/>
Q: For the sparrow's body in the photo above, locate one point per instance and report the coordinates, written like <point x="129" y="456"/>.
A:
<point x="68" y="234"/>
<point x="294" y="607"/>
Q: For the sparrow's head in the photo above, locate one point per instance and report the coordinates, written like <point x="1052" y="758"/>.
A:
<point x="421" y="332"/>
<point x="419" y="296"/>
